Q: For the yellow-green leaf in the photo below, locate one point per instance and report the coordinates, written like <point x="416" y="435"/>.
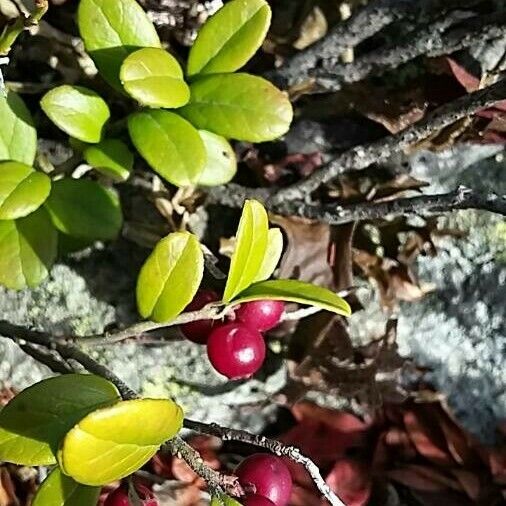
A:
<point x="28" y="249"/>
<point x="230" y="37"/>
<point x="154" y="78"/>
<point x="224" y="500"/>
<point x="272" y="255"/>
<point x="292" y="290"/>
<point x="35" y="421"/>
<point x="170" y="145"/>
<point x="22" y="190"/>
<point x="111" y="157"/>
<point x="238" y="106"/>
<point x="114" y="442"/>
<point x="18" y="137"/>
<point x="76" y="110"/>
<point x="111" y="30"/>
<point x="221" y="164"/>
<point x="170" y="277"/>
<point x="250" y="248"/>
<point x="60" y="490"/>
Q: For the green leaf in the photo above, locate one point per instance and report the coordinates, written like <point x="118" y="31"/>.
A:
<point x="230" y="37"/>
<point x="28" y="249"/>
<point x="60" y="490"/>
<point x="224" y="500"/>
<point x="272" y="255"/>
<point x="221" y="164"/>
<point x="68" y="244"/>
<point x="84" y="209"/>
<point x="77" y="111"/>
<point x="238" y="106"/>
<point x="33" y="424"/>
<point x="22" y="190"/>
<point x="154" y="78"/>
<point x="18" y="137"/>
<point x="292" y="290"/>
<point x="111" y="157"/>
<point x="250" y="248"/>
<point x="111" y="30"/>
<point x="170" y="277"/>
<point x="170" y="145"/>
<point x="114" y="442"/>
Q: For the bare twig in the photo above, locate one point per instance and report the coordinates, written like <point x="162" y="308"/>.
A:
<point x="432" y="40"/>
<point x="219" y="481"/>
<point x="362" y="25"/>
<point x="273" y="446"/>
<point x="462" y="198"/>
<point x="361" y="157"/>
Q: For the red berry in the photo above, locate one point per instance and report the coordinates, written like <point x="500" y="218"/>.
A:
<point x="256" y="500"/>
<point x="117" y="498"/>
<point x="261" y="314"/>
<point x="269" y="475"/>
<point x="198" y="331"/>
<point x="235" y="350"/>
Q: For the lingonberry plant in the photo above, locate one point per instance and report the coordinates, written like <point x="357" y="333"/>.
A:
<point x="92" y="428"/>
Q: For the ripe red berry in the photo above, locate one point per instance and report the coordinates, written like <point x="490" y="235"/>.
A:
<point x="269" y="475"/>
<point x="119" y="497"/>
<point x="256" y="500"/>
<point x="261" y="314"/>
<point x="235" y="350"/>
<point x="198" y="331"/>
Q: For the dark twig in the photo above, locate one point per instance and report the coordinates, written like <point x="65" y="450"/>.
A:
<point x="365" y="23"/>
<point x="46" y="357"/>
<point x="462" y="198"/>
<point x="273" y="446"/>
<point x="433" y="40"/>
<point x="360" y="157"/>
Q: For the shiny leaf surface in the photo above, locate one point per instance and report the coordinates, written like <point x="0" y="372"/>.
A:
<point x="170" y="277"/>
<point x="114" y="442"/>
<point x="238" y="106"/>
<point x="22" y="190"/>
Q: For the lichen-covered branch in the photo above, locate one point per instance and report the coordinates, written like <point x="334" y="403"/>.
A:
<point x="360" y="157"/>
<point x="276" y="447"/>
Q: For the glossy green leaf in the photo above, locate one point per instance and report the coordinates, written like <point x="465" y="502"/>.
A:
<point x="28" y="249"/>
<point x="272" y="255"/>
<point x="77" y="111"/>
<point x="250" y="248"/>
<point x="18" y="137"/>
<point x="221" y="164"/>
<point x="60" y="490"/>
<point x="170" y="277"/>
<point x="170" y="145"/>
<point x="230" y="37"/>
<point x="22" y="190"/>
<point x="111" y="157"/>
<point x="35" y="421"/>
<point x="238" y="106"/>
<point x="154" y="78"/>
<point x="68" y="244"/>
<point x="114" y="442"/>
<point x="84" y="209"/>
<point x="224" y="500"/>
<point x="292" y="290"/>
<point x="111" y="30"/>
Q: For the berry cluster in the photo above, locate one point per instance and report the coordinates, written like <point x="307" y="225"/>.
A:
<point x="235" y="348"/>
<point x="266" y="480"/>
<point x="119" y="497"/>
